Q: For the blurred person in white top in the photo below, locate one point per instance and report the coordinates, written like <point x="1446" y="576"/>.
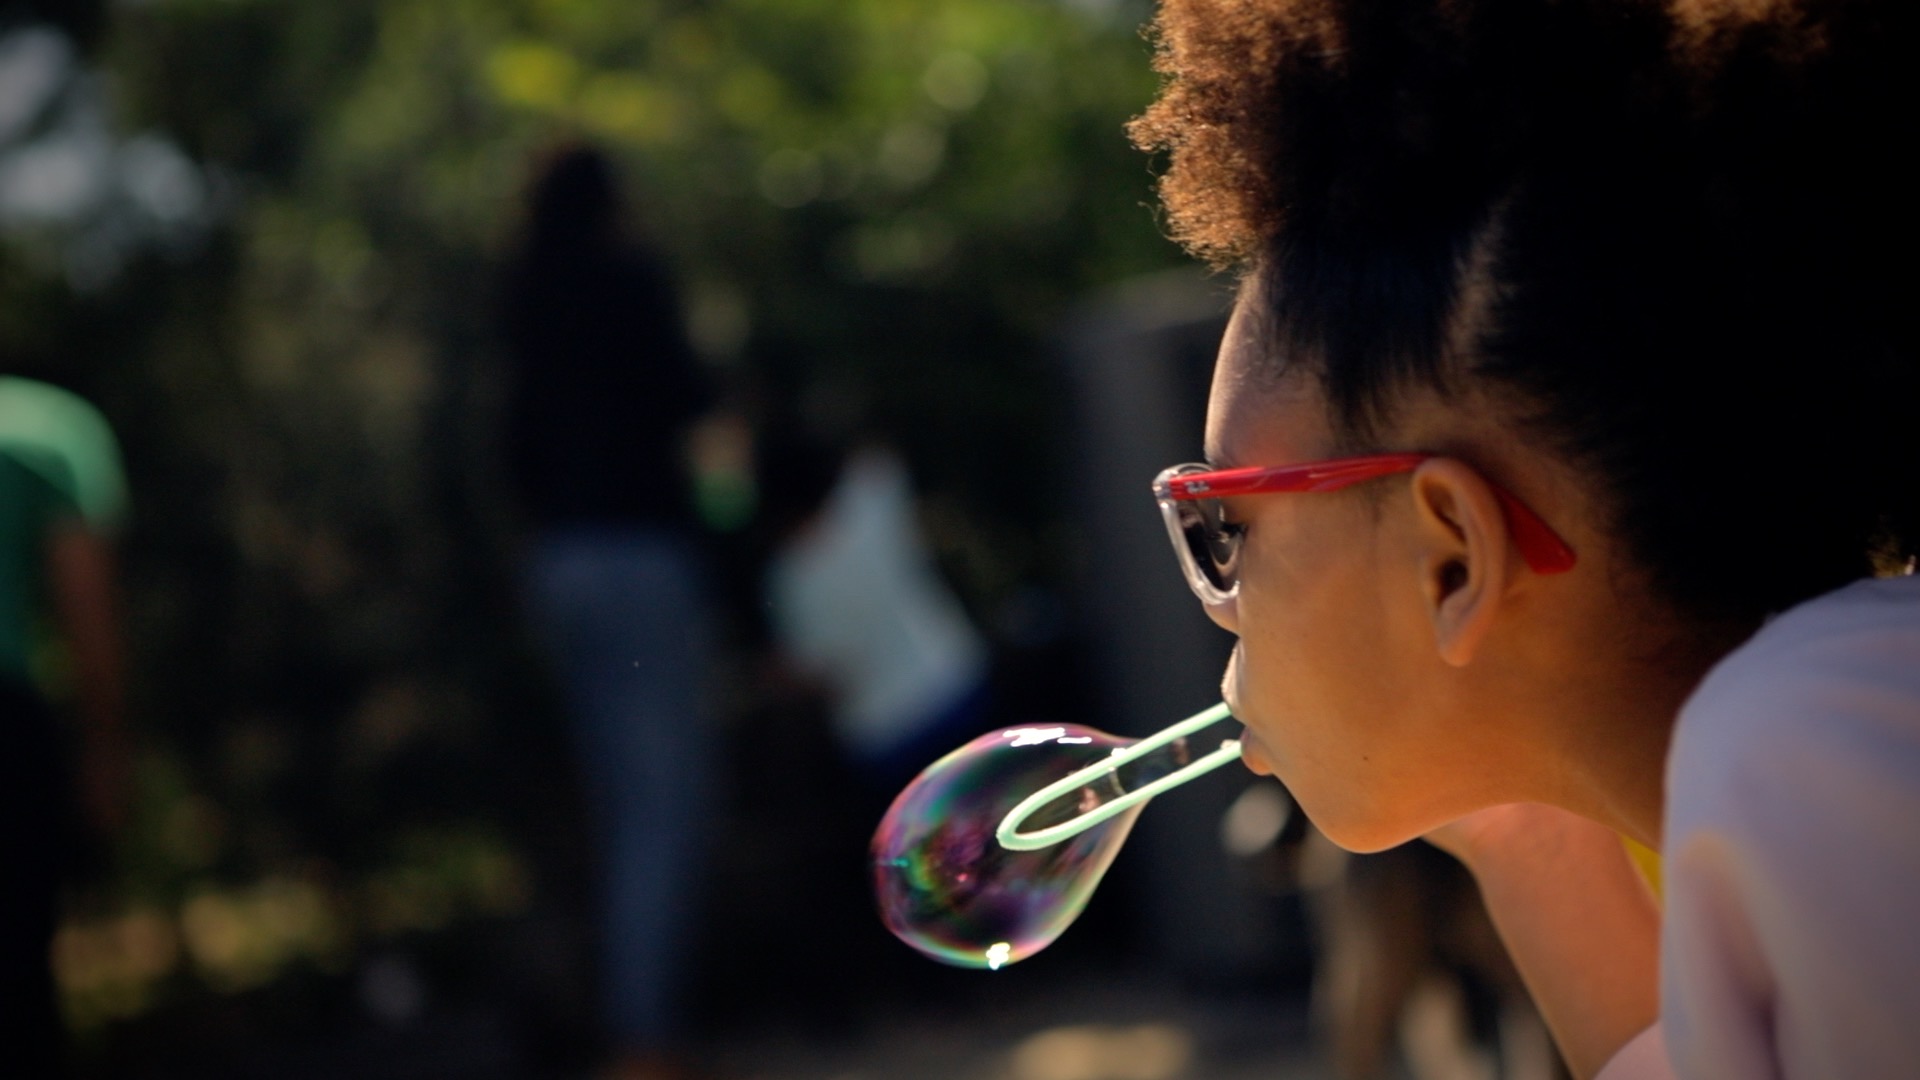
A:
<point x="858" y="604"/>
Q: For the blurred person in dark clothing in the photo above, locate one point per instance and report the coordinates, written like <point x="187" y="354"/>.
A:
<point x="62" y="498"/>
<point x="605" y="389"/>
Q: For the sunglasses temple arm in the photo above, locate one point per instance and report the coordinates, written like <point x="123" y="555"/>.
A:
<point x="1540" y="546"/>
<point x="1013" y="839"/>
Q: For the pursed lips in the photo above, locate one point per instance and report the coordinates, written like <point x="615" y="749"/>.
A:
<point x="1252" y="751"/>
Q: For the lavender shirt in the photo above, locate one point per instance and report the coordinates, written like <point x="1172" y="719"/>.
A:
<point x="1791" y="940"/>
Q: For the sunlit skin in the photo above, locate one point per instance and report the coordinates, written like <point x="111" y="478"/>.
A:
<point x="1399" y="667"/>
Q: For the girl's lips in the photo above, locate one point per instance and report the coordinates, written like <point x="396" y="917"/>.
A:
<point x="1252" y="753"/>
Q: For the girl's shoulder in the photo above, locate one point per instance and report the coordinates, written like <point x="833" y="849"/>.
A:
<point x="1813" y="724"/>
<point x="1820" y="673"/>
<point x="1791" y="861"/>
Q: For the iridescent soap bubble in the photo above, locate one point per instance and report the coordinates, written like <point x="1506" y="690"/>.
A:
<point x="944" y="883"/>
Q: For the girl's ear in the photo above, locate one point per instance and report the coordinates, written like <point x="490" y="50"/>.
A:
<point x="1465" y="554"/>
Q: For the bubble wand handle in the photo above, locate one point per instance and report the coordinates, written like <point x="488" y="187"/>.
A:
<point x="1013" y="839"/>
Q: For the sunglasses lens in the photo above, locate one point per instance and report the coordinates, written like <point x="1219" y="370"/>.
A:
<point x="1214" y="545"/>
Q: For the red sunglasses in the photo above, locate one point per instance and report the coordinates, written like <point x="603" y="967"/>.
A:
<point x="1208" y="545"/>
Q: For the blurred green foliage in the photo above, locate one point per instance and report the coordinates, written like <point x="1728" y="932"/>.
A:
<point x="877" y="208"/>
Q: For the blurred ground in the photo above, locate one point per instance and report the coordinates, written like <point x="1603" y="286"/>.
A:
<point x="1114" y="1028"/>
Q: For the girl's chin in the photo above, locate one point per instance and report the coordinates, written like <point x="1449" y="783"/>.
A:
<point x="1253" y="754"/>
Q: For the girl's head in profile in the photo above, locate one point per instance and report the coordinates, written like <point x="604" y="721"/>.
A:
<point x="1645" y="267"/>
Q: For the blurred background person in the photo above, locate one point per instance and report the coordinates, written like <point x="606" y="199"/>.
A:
<point x="257" y="238"/>
<point x="604" y="392"/>
<point x="857" y="606"/>
<point x="62" y="498"/>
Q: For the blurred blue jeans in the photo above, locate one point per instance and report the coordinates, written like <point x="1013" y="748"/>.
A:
<point x="623" y="614"/>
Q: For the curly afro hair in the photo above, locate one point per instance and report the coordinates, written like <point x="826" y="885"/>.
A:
<point x="1679" y="238"/>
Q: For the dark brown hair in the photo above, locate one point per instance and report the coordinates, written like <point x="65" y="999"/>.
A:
<point x="1679" y="239"/>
